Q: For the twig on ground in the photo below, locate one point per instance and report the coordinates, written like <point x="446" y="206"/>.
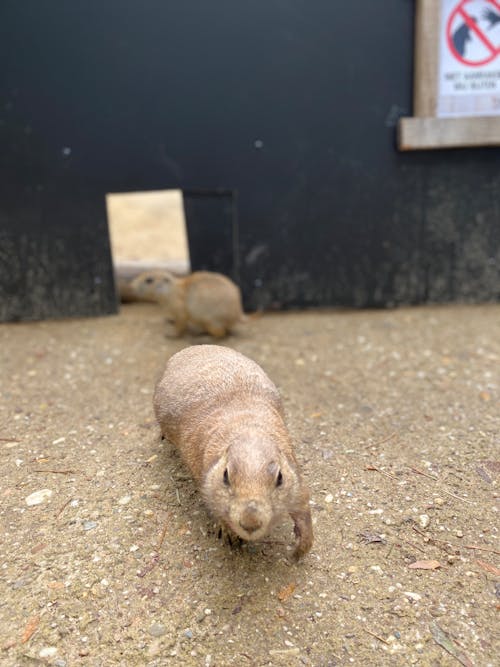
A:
<point x="436" y="479"/>
<point x="492" y="551"/>
<point x="437" y="540"/>
<point x="442" y="639"/>
<point x="382" y="472"/>
<point x="421" y="472"/>
<point x="162" y="537"/>
<point x="414" y="546"/>
<point x="453" y="495"/>
<point x="381" y="639"/>
<point x="381" y="442"/>
<point x="488" y="567"/>
<point x="59" y="472"/>
<point x="63" y="508"/>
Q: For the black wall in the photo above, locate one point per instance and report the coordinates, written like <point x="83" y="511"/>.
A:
<point x="291" y="105"/>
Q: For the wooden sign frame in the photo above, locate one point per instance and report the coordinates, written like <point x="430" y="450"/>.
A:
<point x="425" y="130"/>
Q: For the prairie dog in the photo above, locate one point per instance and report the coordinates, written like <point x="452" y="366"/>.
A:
<point x="225" y="417"/>
<point x="204" y="300"/>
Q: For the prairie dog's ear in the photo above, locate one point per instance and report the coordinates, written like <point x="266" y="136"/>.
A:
<point x="217" y="465"/>
<point x="216" y="478"/>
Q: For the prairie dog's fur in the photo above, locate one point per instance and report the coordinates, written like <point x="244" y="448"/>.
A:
<point x="203" y="300"/>
<point x="225" y="417"/>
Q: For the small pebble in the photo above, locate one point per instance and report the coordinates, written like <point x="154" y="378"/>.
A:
<point x="60" y="663"/>
<point x="38" y="497"/>
<point x="459" y="533"/>
<point x="424" y="520"/>
<point x="438" y="501"/>
<point x="124" y="500"/>
<point x="436" y="611"/>
<point x="47" y="652"/>
<point x="329" y="498"/>
<point x="285" y="652"/>
<point x="89" y="525"/>
<point x="157" y="630"/>
<point x="413" y="596"/>
<point x="188" y="634"/>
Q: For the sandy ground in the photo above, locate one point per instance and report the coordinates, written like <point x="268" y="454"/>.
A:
<point x="396" y="419"/>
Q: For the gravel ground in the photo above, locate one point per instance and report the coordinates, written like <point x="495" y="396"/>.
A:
<point x="109" y="558"/>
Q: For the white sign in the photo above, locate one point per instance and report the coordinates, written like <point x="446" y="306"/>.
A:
<point x="469" y="63"/>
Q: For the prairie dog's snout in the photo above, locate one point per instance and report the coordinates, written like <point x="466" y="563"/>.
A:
<point x="225" y="417"/>
<point x="154" y="285"/>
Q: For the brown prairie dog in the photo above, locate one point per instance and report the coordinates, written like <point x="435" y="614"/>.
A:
<point x="203" y="301"/>
<point x="225" y="417"/>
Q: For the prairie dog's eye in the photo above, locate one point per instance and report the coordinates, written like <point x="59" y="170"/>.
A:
<point x="149" y="280"/>
<point x="279" y="479"/>
<point x="226" y="477"/>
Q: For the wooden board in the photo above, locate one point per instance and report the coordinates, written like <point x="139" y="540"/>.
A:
<point x="425" y="133"/>
<point x="427" y="17"/>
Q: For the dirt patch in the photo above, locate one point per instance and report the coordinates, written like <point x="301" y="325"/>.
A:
<point x="397" y="423"/>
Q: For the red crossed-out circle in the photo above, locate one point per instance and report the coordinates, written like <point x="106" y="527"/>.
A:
<point x="460" y="10"/>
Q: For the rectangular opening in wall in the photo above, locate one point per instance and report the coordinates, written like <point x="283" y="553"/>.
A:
<point x="147" y="231"/>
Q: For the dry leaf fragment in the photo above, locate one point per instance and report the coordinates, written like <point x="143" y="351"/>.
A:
<point x="485" y="396"/>
<point x="30" y="629"/>
<point x="489" y="568"/>
<point x="425" y="565"/>
<point x="286" y="592"/>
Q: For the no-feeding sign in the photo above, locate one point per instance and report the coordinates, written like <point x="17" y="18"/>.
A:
<point x="469" y="67"/>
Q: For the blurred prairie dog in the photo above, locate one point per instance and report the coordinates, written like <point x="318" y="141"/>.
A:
<point x="225" y="417"/>
<point x="203" y="300"/>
